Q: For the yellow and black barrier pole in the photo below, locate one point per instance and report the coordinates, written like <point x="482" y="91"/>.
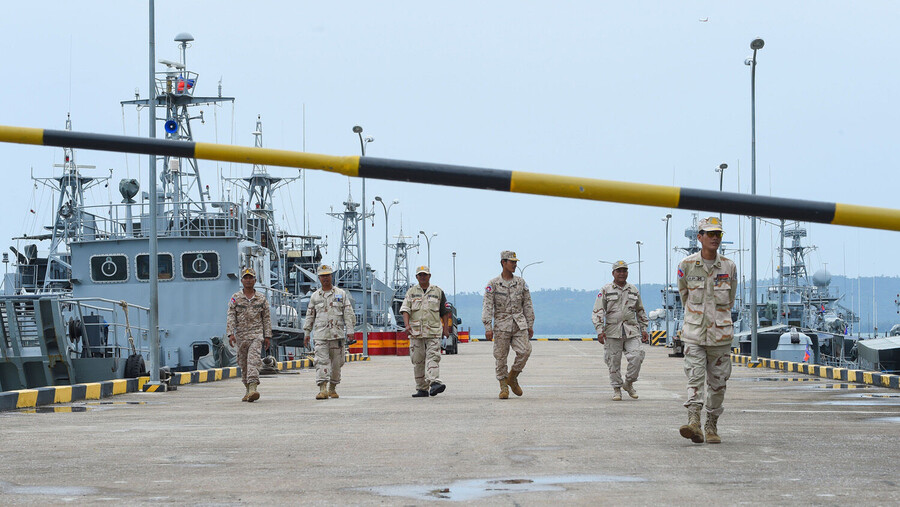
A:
<point x="476" y="177"/>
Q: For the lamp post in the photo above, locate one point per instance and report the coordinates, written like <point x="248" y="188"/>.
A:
<point x="387" y="209"/>
<point x="666" y="289"/>
<point x="362" y="268"/>
<point x="640" y="285"/>
<point x="454" y="279"/>
<point x="755" y="45"/>
<point x="428" y="242"/>
<point x="721" y="171"/>
<point x="522" y="270"/>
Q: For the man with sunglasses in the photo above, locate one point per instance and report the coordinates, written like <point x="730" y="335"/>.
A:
<point x="422" y="310"/>
<point x="707" y="283"/>
<point x="621" y="324"/>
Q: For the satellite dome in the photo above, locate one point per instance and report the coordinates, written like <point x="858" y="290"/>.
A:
<point x="821" y="278"/>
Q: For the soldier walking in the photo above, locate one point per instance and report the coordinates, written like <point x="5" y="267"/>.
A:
<point x="330" y="318"/>
<point x="707" y="283"/>
<point x="621" y="323"/>
<point x="508" y="317"/>
<point x="422" y="310"/>
<point x="248" y="323"/>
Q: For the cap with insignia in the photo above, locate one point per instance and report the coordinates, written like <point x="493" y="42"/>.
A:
<point x="619" y="265"/>
<point x="423" y="269"/>
<point x="710" y="224"/>
<point x="508" y="255"/>
<point x="324" y="269"/>
<point x="248" y="272"/>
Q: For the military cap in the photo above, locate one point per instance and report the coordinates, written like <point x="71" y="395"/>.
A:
<point x="324" y="269"/>
<point x="248" y="272"/>
<point x="423" y="269"/>
<point x="619" y="265"/>
<point x="508" y="255"/>
<point x="711" y="224"/>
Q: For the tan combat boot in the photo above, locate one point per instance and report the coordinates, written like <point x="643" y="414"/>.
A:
<point x="692" y="430"/>
<point x="617" y="394"/>
<point x="712" y="433"/>
<point x="254" y="394"/>
<point x="247" y="393"/>
<point x="323" y="391"/>
<point x="504" y="390"/>
<point x="513" y="382"/>
<point x="629" y="388"/>
<point x="331" y="392"/>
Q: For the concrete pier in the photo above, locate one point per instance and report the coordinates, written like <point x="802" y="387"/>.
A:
<point x="788" y="438"/>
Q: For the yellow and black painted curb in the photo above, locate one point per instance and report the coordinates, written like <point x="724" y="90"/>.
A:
<point x="30" y="398"/>
<point x="477" y="177"/>
<point x="829" y="372"/>
<point x="658" y="338"/>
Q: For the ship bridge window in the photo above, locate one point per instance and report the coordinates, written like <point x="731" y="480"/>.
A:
<point x="165" y="268"/>
<point x="109" y="268"/>
<point x="200" y="265"/>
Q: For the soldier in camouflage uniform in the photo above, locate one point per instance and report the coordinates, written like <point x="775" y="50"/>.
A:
<point x="249" y="324"/>
<point x="707" y="283"/>
<point x="422" y="310"/>
<point x="621" y="323"/>
<point x="330" y="318"/>
<point x="508" y="317"/>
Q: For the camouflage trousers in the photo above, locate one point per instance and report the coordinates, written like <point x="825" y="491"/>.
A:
<point x="634" y="355"/>
<point x="248" y="358"/>
<point x="710" y="366"/>
<point x="329" y="359"/>
<point x="519" y="342"/>
<point x="425" y="354"/>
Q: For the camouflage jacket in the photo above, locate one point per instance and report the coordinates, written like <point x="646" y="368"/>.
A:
<point x="619" y="312"/>
<point x="507" y="305"/>
<point x="329" y="315"/>
<point x="707" y="296"/>
<point x="248" y="318"/>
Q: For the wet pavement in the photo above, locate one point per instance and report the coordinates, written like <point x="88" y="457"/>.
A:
<point x="565" y="441"/>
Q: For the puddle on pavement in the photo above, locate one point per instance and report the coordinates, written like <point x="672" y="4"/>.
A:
<point x="776" y="379"/>
<point x="844" y="386"/>
<point x="476" y="489"/>
<point x="12" y="489"/>
<point x="886" y="419"/>
<point x="81" y="407"/>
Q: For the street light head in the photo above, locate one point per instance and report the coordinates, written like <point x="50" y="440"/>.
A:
<point x="396" y="201"/>
<point x="639" y="242"/>
<point x="423" y="233"/>
<point x="757" y="44"/>
<point x="723" y="166"/>
<point x="378" y="198"/>
<point x="357" y="129"/>
<point x="370" y="139"/>
<point x="668" y="216"/>
<point x="748" y="61"/>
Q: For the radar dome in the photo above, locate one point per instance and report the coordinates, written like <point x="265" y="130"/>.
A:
<point x="821" y="278"/>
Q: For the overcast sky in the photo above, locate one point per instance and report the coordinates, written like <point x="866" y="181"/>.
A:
<point x="651" y="92"/>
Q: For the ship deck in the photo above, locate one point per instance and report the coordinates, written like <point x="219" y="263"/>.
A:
<point x="787" y="438"/>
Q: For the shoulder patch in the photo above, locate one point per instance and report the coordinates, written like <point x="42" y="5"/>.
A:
<point x="680" y="273"/>
<point x="600" y="294"/>
<point x="488" y="289"/>
<point x="233" y="301"/>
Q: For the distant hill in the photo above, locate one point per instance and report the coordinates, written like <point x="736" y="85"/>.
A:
<point x="568" y="311"/>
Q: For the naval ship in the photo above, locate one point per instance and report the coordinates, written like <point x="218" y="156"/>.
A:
<point x="79" y="312"/>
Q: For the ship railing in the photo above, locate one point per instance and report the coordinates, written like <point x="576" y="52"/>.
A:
<point x="109" y="328"/>
<point x="176" y="82"/>
<point x="121" y="221"/>
<point x="285" y="308"/>
<point x="92" y="327"/>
